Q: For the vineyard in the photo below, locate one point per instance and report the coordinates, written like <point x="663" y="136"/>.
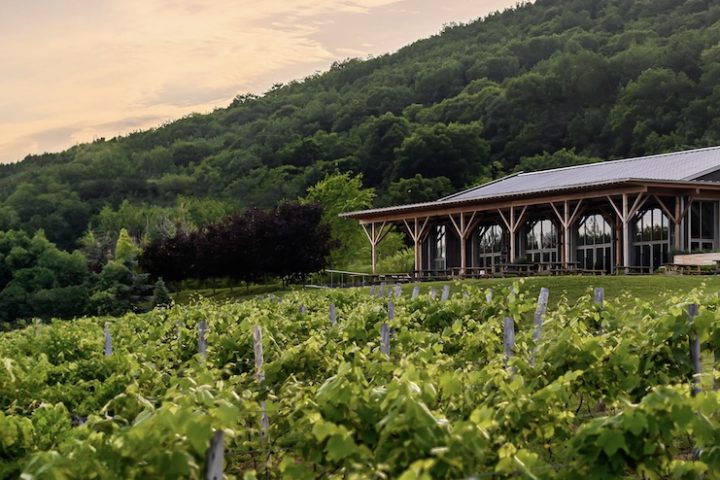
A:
<point x="461" y="383"/>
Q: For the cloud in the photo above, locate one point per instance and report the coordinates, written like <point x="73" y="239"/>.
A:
<point x="73" y="70"/>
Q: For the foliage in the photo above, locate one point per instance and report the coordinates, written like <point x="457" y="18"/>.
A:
<point x="336" y="194"/>
<point x="602" y="78"/>
<point x="288" y="242"/>
<point x="603" y="393"/>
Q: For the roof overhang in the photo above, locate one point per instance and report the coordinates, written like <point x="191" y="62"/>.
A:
<point x="530" y="197"/>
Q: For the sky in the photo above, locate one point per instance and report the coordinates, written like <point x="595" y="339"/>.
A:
<point x="72" y="71"/>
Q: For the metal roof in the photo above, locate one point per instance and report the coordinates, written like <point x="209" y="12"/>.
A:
<point x="680" y="166"/>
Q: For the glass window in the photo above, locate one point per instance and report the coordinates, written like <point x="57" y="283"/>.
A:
<point x="652" y="250"/>
<point x="541" y="242"/>
<point x="703" y="224"/>
<point x="492" y="246"/>
<point x="594" y="243"/>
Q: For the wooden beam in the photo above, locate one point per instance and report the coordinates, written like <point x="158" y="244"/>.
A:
<point x="440" y="211"/>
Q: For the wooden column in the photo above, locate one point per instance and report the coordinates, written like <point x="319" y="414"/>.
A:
<point x="567" y="220"/>
<point x="626" y="213"/>
<point x="513" y="225"/>
<point x="375" y="236"/>
<point x="463" y="230"/>
<point x="676" y="217"/>
<point x="416" y="233"/>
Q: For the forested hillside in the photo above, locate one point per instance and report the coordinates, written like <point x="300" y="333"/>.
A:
<point x="585" y="78"/>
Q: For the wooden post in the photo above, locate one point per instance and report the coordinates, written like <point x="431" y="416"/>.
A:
<point x="333" y="315"/>
<point x="385" y="339"/>
<point x="599" y="297"/>
<point x="433" y="293"/>
<point x="215" y="457"/>
<point x="508" y="339"/>
<point x="202" y="338"/>
<point x="391" y="309"/>
<point x="381" y="293"/>
<point x="513" y="256"/>
<point x="398" y="290"/>
<point x="540" y="311"/>
<point x="108" y="340"/>
<point x="415" y="292"/>
<point x="302" y="309"/>
<point x="538" y="320"/>
<point x="372" y="290"/>
<point x="488" y="295"/>
<point x="463" y="230"/>
<point x="445" y="293"/>
<point x="260" y="376"/>
<point x="375" y="236"/>
<point x="416" y="233"/>
<point x="626" y="234"/>
<point x="694" y="340"/>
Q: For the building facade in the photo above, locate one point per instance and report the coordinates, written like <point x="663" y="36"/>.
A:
<point x="627" y="215"/>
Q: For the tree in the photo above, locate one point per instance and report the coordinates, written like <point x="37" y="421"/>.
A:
<point x="161" y="296"/>
<point x="336" y="194"/>
<point x="418" y="190"/>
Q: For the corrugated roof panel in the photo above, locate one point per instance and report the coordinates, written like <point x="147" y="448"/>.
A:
<point x="678" y="166"/>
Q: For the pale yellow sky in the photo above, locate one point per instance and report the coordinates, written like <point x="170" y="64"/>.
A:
<point x="75" y="70"/>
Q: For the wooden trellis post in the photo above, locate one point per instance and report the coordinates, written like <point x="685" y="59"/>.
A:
<point x="433" y="293"/>
<point x="303" y="311"/>
<point x="202" y="338"/>
<point x="108" y="340"/>
<point x="599" y="297"/>
<point x="260" y="376"/>
<point x="508" y="339"/>
<point x="694" y="341"/>
<point x="538" y="320"/>
<point x="398" y="290"/>
<point x="333" y="315"/>
<point x="415" y="292"/>
<point x="215" y="457"/>
<point x="385" y="339"/>
<point x="488" y="295"/>
<point x="372" y="290"/>
<point x="381" y="292"/>
<point x="445" y="293"/>
<point x="391" y="309"/>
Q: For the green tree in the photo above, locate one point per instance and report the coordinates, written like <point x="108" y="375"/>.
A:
<point x="417" y="190"/>
<point x="337" y="194"/>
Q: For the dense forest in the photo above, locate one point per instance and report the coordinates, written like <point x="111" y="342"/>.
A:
<point x="545" y="84"/>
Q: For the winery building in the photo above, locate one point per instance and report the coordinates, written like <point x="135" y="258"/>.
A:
<point x="627" y="215"/>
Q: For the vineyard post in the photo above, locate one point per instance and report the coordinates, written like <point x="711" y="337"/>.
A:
<point x="599" y="297"/>
<point x="108" y="340"/>
<point x="415" y="292"/>
<point x="260" y="376"/>
<point x="694" y="339"/>
<point x="433" y="293"/>
<point x="385" y="339"/>
<point x="445" y="293"/>
<point x="489" y="295"/>
<point x="333" y="315"/>
<point x="398" y="290"/>
<point x="381" y="293"/>
<point x="202" y="338"/>
<point x="391" y="309"/>
<point x="372" y="290"/>
<point x="508" y="339"/>
<point x="215" y="457"/>
<point x="538" y="320"/>
<point x="302" y="309"/>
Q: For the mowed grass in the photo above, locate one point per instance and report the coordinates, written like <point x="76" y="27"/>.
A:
<point x="646" y="287"/>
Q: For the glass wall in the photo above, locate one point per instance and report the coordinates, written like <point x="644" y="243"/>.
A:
<point x="492" y="246"/>
<point x="651" y="239"/>
<point x="703" y="225"/>
<point x="541" y="242"/>
<point x="594" y="243"/>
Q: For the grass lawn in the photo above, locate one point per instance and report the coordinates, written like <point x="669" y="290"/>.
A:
<point x="648" y="287"/>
